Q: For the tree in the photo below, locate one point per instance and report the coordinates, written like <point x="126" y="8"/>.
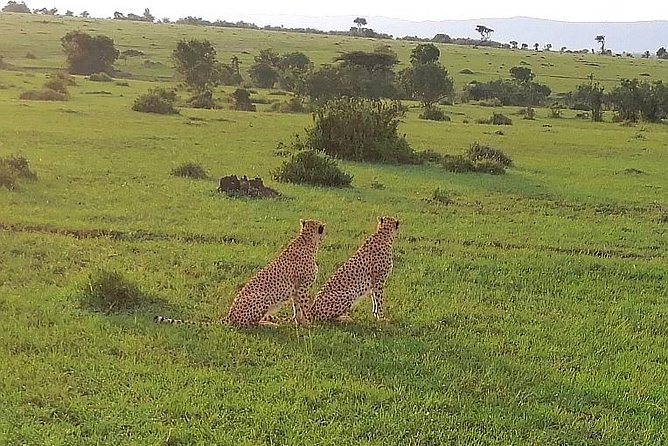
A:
<point x="360" y="22"/>
<point x="525" y="46"/>
<point x="484" y="31"/>
<point x="522" y="75"/>
<point x="442" y="38"/>
<point x="148" y="17"/>
<point x="661" y="53"/>
<point x="513" y="44"/>
<point x="13" y="6"/>
<point x="548" y="46"/>
<point x="368" y="74"/>
<point x="563" y="49"/>
<point x="646" y="54"/>
<point x="263" y="75"/>
<point x="195" y="61"/>
<point x="69" y="13"/>
<point x="601" y="40"/>
<point x="425" y="53"/>
<point x="536" y="46"/>
<point x="428" y="83"/>
<point x="591" y="95"/>
<point x="85" y="14"/>
<point x="88" y="54"/>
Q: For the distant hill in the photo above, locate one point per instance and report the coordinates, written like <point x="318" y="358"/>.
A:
<point x="635" y="37"/>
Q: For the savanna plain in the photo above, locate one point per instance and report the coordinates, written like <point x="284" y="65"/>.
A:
<point x="530" y="308"/>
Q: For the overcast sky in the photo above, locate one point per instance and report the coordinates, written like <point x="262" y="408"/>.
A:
<point x="567" y="10"/>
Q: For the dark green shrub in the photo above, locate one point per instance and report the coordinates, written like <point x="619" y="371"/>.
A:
<point x="157" y="100"/>
<point x="311" y="167"/>
<point x="190" y="170"/>
<point x="100" y="77"/>
<point x="477" y="152"/>
<point x="457" y="164"/>
<point x="360" y="129"/>
<point x="429" y="156"/>
<point x="7" y="177"/>
<point x="496" y="119"/>
<point x="434" y="114"/>
<point x="123" y="83"/>
<point x="203" y="99"/>
<point x="56" y="84"/>
<point x="241" y="100"/>
<point x="109" y="292"/>
<point x="43" y="95"/>
<point x="68" y="79"/>
<point x="292" y="105"/>
<point x="491" y="167"/>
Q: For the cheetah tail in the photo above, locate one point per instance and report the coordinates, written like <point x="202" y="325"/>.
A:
<point x="165" y="320"/>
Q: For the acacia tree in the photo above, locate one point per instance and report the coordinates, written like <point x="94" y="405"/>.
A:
<point x="661" y="53"/>
<point x="425" y="53"/>
<point x="535" y="46"/>
<point x="88" y="54"/>
<point x="426" y="80"/>
<point x="360" y="22"/>
<point x="195" y="61"/>
<point x="523" y="76"/>
<point x="484" y="31"/>
<point x="513" y="44"/>
<point x="601" y="40"/>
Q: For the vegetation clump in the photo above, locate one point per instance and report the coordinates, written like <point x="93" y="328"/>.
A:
<point x="13" y="168"/>
<point x="241" y="100"/>
<point x="157" y="100"/>
<point x="477" y="158"/>
<point x="44" y="94"/>
<point x="109" y="292"/>
<point x="313" y="168"/>
<point x="100" y="77"/>
<point x="434" y="114"/>
<point x="441" y="196"/>
<point x="203" y="100"/>
<point x="496" y="119"/>
<point x="359" y="129"/>
<point x="190" y="170"/>
<point x="88" y="54"/>
<point x="292" y="105"/>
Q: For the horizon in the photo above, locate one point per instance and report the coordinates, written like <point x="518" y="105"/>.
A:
<point x="569" y="10"/>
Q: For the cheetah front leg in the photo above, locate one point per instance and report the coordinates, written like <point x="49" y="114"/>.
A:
<point x="377" y="300"/>
<point x="301" y="303"/>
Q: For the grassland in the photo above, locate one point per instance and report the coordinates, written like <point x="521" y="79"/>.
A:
<point x="532" y="310"/>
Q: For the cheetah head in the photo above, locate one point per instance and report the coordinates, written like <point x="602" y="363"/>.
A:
<point x="314" y="229"/>
<point x="388" y="224"/>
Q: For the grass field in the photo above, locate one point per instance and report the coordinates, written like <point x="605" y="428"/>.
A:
<point x="531" y="310"/>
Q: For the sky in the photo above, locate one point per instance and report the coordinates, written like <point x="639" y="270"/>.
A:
<point x="416" y="10"/>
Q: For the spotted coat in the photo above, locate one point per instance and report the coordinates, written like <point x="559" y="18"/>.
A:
<point x="365" y="272"/>
<point x="288" y="276"/>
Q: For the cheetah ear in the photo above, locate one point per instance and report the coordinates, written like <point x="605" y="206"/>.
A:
<point x="302" y="222"/>
<point x="381" y="220"/>
<point x="321" y="229"/>
<point x="397" y="223"/>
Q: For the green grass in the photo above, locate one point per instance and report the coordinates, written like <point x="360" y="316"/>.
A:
<point x="530" y="310"/>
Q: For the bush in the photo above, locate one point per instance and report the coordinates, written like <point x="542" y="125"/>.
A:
<point x="477" y="152"/>
<point x="496" y="119"/>
<point x="109" y="292"/>
<point x="190" y="170"/>
<point x="434" y="114"/>
<point x="13" y="168"/>
<point x="292" y="105"/>
<point x="100" y="77"/>
<point x="43" y="95"/>
<point x="203" y="99"/>
<point x="88" y="54"/>
<point x="429" y="156"/>
<point x="68" y="79"/>
<point x="241" y="100"/>
<point x="360" y="129"/>
<point x="157" y="100"/>
<point x="311" y="167"/>
<point x="7" y="177"/>
<point x="457" y="164"/>
<point x="489" y="166"/>
<point x="56" y="84"/>
<point x="30" y="56"/>
<point x="123" y="83"/>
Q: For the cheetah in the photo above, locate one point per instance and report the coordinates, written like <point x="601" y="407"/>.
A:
<point x="365" y="272"/>
<point x="288" y="276"/>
